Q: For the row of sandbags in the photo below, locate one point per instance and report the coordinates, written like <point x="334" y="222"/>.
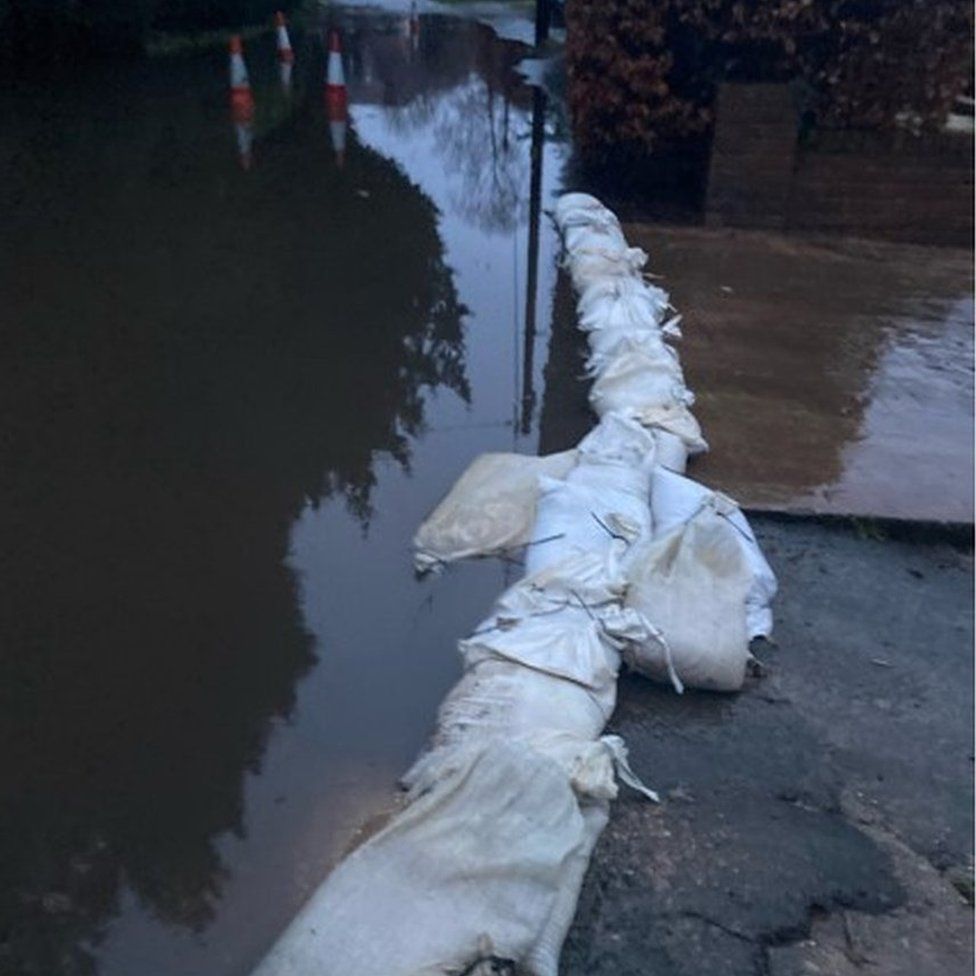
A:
<point x="627" y="561"/>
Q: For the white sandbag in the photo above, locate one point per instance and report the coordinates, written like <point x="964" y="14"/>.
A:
<point x="603" y="502"/>
<point x="567" y="621"/>
<point x="676" y="499"/>
<point x="634" y="382"/>
<point x="506" y="701"/>
<point x="618" y="438"/>
<point x="676" y="419"/>
<point x="577" y="518"/>
<point x="593" y="264"/>
<point x="606" y="345"/>
<point x="617" y="302"/>
<point x="593" y="233"/>
<point x="572" y="206"/>
<point x="692" y="583"/>
<point x="671" y="451"/>
<point x="491" y="508"/>
<point x="542" y="670"/>
<point x="566" y="643"/>
<point x="488" y="864"/>
<point x="633" y="313"/>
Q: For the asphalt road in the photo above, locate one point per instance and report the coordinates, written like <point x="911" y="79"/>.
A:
<point x="821" y="820"/>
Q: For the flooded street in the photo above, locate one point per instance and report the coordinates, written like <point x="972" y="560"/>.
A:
<point x="242" y="358"/>
<point x="833" y="376"/>
<point x="239" y="367"/>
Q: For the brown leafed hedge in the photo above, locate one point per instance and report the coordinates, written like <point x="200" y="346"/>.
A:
<point x="643" y="72"/>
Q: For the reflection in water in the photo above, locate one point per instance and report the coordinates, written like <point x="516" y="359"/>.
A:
<point x="222" y="424"/>
<point x="285" y="71"/>
<point x="188" y="357"/>
<point x="532" y="278"/>
<point x="452" y="78"/>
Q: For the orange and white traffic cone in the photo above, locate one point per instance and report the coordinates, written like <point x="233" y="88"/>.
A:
<point x="285" y="53"/>
<point x="336" y="98"/>
<point x="241" y="99"/>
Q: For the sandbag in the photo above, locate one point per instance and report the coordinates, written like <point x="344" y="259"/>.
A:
<point x="621" y="302"/>
<point x="603" y="503"/>
<point x="596" y="232"/>
<point x="504" y="701"/>
<point x="594" y="264"/>
<point x="636" y="382"/>
<point x="674" y="418"/>
<point x="491" y="508"/>
<point x="541" y="669"/>
<point x="572" y="207"/>
<point x="692" y="583"/>
<point x="607" y="345"/>
<point x="487" y="864"/>
<point x="567" y="621"/>
<point x="675" y="500"/>
<point x="670" y="450"/>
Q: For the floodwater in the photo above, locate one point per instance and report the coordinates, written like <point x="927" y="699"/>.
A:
<point x="241" y="360"/>
<point x="831" y="376"/>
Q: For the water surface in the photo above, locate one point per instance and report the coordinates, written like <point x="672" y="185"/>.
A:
<point x="241" y="360"/>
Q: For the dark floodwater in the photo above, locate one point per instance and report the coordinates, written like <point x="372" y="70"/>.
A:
<point x="228" y="396"/>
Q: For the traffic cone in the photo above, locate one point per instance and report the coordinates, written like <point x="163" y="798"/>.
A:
<point x="285" y="54"/>
<point x="335" y="78"/>
<point x="241" y="99"/>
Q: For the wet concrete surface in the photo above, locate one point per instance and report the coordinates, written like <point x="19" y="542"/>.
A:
<point x="821" y="820"/>
<point x="241" y="361"/>
<point x="831" y="376"/>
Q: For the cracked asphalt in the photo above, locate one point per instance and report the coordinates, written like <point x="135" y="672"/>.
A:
<point x="821" y="820"/>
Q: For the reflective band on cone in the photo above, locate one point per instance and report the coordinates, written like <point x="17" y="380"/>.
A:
<point x="335" y="78"/>
<point x="241" y="99"/>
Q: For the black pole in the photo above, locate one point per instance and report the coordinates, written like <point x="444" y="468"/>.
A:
<point x="543" y="16"/>
<point x="532" y="278"/>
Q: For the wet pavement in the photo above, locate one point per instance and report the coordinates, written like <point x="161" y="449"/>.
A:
<point x="831" y="376"/>
<point x="242" y="359"/>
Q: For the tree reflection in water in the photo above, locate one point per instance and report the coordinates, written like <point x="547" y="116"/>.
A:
<point x="190" y="353"/>
<point x="460" y="83"/>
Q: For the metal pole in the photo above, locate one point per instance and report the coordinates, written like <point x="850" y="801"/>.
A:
<point x="543" y="16"/>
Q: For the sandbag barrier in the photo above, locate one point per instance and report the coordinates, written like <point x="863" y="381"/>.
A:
<point x="627" y="561"/>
